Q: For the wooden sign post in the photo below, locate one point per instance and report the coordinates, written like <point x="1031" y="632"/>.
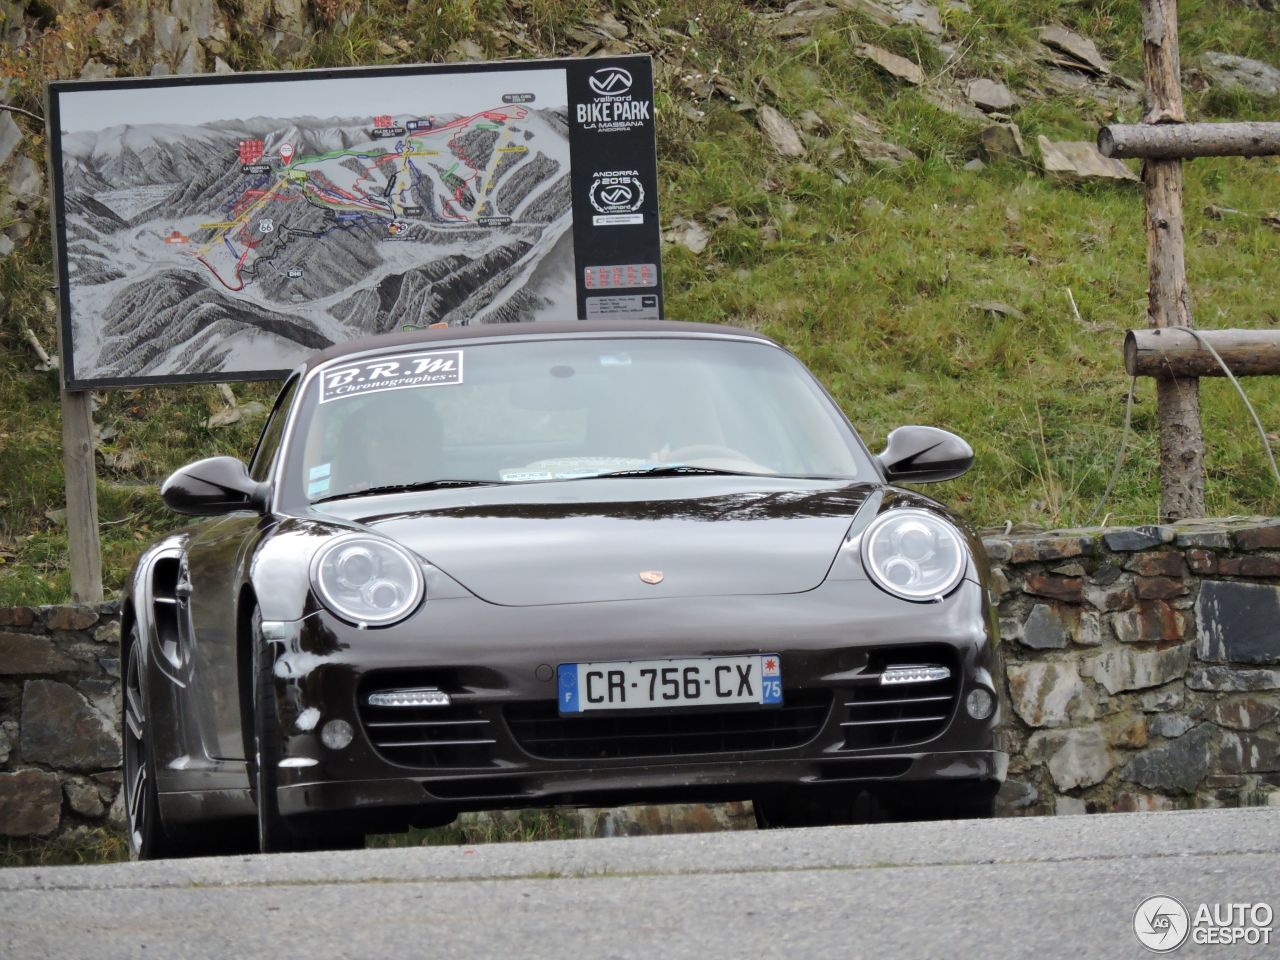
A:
<point x="82" y="496"/>
<point x="1162" y="141"/>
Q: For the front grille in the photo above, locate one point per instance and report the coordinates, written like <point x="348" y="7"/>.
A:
<point x="895" y="715"/>
<point x="453" y="736"/>
<point x="542" y="732"/>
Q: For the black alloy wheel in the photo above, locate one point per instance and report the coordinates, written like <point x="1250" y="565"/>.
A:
<point x="147" y="840"/>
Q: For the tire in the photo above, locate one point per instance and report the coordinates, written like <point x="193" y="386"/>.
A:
<point x="145" y="831"/>
<point x="275" y="833"/>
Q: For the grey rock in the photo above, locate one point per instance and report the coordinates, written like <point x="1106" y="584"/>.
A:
<point x="1246" y="713"/>
<point x="110" y="666"/>
<point x="688" y="233"/>
<point x="1129" y="669"/>
<point x="891" y="63"/>
<point x="221" y="66"/>
<point x="27" y="654"/>
<point x="1118" y="594"/>
<point x="94" y="70"/>
<point x="1236" y="681"/>
<point x="1237" y="622"/>
<point x="199" y="16"/>
<point x="953" y="103"/>
<point x="62" y="729"/>
<point x="997" y="550"/>
<point x="1176" y="766"/>
<point x="26" y="182"/>
<point x="882" y="153"/>
<point x="1169" y="725"/>
<point x="1089" y="633"/>
<point x="1016" y="795"/>
<point x="108" y="633"/>
<point x="1077" y="757"/>
<point x="975" y="165"/>
<point x="914" y="13"/>
<point x="990" y="95"/>
<point x="289" y="14"/>
<point x="1255" y="76"/>
<point x="1207" y="539"/>
<point x="1138" y="538"/>
<point x="780" y="133"/>
<point x="168" y="37"/>
<point x="4" y="747"/>
<point x="30" y="803"/>
<point x="1002" y="141"/>
<point x="1045" y="692"/>
<point x="192" y="60"/>
<point x="10" y="136"/>
<point x="84" y="798"/>
<point x="70" y="616"/>
<point x="1044" y="629"/>
<point x="1080" y="50"/>
<point x="1105" y="575"/>
<point x="1247" y="753"/>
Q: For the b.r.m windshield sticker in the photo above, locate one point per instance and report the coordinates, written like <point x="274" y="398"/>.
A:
<point x="434" y="368"/>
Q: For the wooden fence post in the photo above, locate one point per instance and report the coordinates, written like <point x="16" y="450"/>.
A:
<point x="1177" y="399"/>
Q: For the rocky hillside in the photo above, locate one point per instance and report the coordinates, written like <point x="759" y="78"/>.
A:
<point x="902" y="191"/>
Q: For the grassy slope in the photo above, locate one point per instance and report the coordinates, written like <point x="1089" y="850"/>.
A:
<point x="872" y="283"/>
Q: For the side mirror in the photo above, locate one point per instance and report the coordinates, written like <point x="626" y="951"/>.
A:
<point x="212" y="486"/>
<point x="924" y="454"/>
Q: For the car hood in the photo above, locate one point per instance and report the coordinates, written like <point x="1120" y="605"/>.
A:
<point x="589" y="540"/>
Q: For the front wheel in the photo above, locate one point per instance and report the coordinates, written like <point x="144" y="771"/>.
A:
<point x="147" y="839"/>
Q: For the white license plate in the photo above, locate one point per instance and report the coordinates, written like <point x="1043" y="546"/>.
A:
<point x="684" y="682"/>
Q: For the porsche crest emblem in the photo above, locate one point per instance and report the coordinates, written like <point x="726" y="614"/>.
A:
<point x="651" y="576"/>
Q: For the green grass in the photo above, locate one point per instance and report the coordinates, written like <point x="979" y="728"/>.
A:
<point x="499" y="826"/>
<point x="872" y="283"/>
<point x="81" y="846"/>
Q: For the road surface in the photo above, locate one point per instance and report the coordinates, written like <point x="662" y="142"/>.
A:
<point x="1021" y="888"/>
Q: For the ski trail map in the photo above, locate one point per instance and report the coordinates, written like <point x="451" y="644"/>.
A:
<point x="226" y="230"/>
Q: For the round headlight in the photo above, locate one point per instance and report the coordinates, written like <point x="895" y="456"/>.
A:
<point x="914" y="554"/>
<point x="370" y="582"/>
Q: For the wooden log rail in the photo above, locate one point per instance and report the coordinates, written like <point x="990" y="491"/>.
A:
<point x="1174" y="352"/>
<point x="1181" y="141"/>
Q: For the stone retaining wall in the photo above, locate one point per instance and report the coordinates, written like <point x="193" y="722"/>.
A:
<point x="59" y="704"/>
<point x="1142" y="665"/>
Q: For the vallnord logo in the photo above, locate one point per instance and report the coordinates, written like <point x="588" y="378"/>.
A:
<point x="617" y="191"/>
<point x="610" y="82"/>
<point x="1161" y="924"/>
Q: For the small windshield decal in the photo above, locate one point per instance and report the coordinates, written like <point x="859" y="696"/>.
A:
<point x="317" y="488"/>
<point x="319" y="472"/>
<point x="433" y="368"/>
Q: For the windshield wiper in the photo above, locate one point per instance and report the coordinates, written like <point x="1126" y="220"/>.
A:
<point x="408" y="488"/>
<point x="671" y="470"/>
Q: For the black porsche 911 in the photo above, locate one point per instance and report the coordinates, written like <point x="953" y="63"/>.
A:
<point x="538" y="564"/>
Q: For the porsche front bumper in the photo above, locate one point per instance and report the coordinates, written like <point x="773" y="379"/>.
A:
<point x="500" y="743"/>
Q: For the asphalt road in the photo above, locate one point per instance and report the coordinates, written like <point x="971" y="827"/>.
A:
<point x="1023" y="888"/>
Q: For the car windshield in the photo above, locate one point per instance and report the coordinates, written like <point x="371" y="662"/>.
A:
<point x="567" y="409"/>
